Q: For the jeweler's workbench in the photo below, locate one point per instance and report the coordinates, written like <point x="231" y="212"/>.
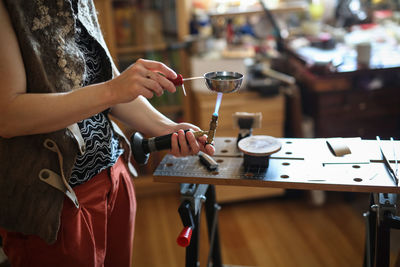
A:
<point x="333" y="164"/>
<point x="300" y="164"/>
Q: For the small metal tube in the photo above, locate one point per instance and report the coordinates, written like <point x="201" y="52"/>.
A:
<point x="213" y="128"/>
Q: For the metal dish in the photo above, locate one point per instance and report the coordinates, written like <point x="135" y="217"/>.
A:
<point x="223" y="81"/>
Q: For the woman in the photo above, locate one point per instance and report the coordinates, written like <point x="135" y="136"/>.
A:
<point x="66" y="197"/>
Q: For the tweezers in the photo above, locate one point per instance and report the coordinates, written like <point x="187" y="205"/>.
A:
<point x="396" y="169"/>
<point x="387" y="163"/>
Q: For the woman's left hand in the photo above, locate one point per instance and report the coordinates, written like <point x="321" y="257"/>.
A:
<point x="185" y="144"/>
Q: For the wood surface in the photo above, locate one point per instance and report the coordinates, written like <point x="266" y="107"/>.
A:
<point x="281" y="232"/>
<point x="228" y="194"/>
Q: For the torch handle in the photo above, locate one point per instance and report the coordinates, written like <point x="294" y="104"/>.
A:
<point x="158" y="143"/>
<point x="142" y="147"/>
<point x="163" y="142"/>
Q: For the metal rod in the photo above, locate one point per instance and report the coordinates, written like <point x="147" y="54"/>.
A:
<point x="183" y="89"/>
<point x="192" y="251"/>
<point x="395" y="157"/>
<point x="193" y="78"/>
<point x="211" y="209"/>
<point x="387" y="163"/>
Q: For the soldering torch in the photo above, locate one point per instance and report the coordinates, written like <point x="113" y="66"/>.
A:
<point x="142" y="147"/>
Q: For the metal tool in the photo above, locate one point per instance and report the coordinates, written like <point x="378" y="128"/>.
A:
<point x="217" y="81"/>
<point x="208" y="161"/>
<point x="387" y="163"/>
<point x="396" y="164"/>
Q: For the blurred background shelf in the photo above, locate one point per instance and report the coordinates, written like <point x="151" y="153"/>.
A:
<point x="273" y="6"/>
<point x="141" y="48"/>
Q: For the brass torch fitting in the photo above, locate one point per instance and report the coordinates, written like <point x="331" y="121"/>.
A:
<point x="197" y="134"/>
<point x="213" y="128"/>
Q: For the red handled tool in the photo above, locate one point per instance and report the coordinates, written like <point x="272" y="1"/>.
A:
<point x="186" y="215"/>
<point x="178" y="81"/>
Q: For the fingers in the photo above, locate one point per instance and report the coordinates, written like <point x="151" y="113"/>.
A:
<point x="186" y="126"/>
<point x="186" y="144"/>
<point x="158" y="66"/>
<point x="206" y="148"/>
<point x="194" y="127"/>
<point x="179" y="146"/>
<point x="162" y="81"/>
<point x="183" y="144"/>
<point x="151" y="69"/>
<point x="209" y="149"/>
<point x="150" y="84"/>
<point x="191" y="140"/>
<point x="174" y="145"/>
<point x="203" y="139"/>
<point x="141" y="78"/>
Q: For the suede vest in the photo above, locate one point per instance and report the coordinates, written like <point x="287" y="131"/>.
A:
<point x="35" y="169"/>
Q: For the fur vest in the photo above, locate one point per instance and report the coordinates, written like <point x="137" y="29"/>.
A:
<point x="35" y="169"/>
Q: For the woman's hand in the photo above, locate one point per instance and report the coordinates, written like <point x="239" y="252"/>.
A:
<point x="142" y="78"/>
<point x="184" y="144"/>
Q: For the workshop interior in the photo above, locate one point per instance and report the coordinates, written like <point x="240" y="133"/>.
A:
<point x="301" y="99"/>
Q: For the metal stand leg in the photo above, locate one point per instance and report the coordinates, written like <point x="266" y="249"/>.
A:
<point x="369" y="253"/>
<point x="190" y="212"/>
<point x="380" y="219"/>
<point x="192" y="251"/>
<point x="212" y="224"/>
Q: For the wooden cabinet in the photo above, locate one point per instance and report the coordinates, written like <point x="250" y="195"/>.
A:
<point x="357" y="113"/>
<point x="343" y="105"/>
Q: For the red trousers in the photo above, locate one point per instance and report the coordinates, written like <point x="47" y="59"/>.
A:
<point x="99" y="233"/>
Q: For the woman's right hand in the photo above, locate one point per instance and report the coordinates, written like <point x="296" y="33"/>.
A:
<point x="142" y="78"/>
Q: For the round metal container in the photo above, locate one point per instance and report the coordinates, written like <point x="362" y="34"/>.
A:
<point x="223" y="81"/>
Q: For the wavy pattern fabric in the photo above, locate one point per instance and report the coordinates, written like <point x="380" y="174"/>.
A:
<point x="102" y="146"/>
